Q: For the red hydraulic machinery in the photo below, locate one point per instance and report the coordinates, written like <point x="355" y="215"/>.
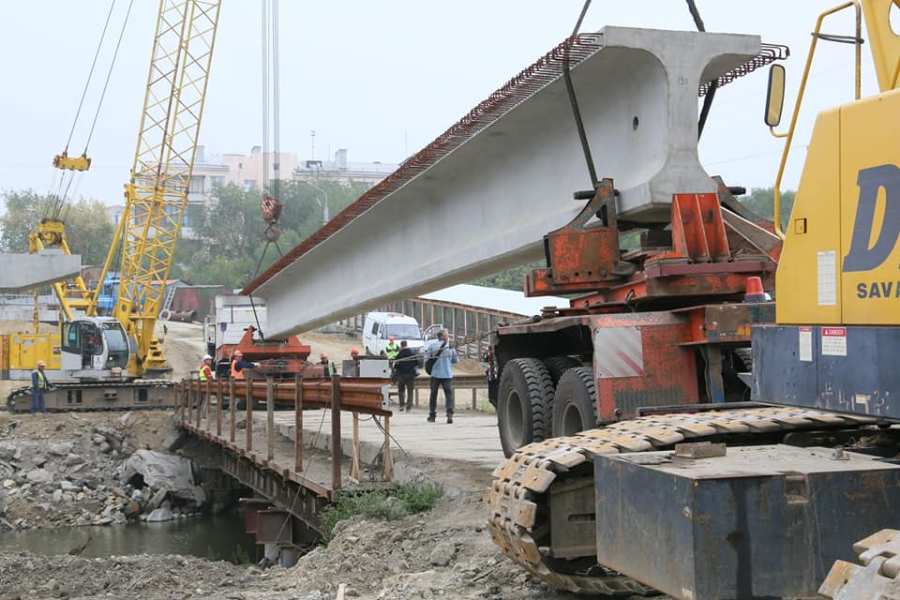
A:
<point x="277" y="357"/>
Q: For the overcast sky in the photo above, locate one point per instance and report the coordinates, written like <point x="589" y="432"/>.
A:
<point x="379" y="77"/>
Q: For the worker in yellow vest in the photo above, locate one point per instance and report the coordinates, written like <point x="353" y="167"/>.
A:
<point x="39" y="385"/>
<point x="206" y="372"/>
<point x="392" y="349"/>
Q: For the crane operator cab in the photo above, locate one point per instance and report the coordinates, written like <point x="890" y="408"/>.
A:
<point x="95" y="348"/>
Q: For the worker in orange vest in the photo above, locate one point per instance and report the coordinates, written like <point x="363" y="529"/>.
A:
<point x="206" y="372"/>
<point x="238" y="364"/>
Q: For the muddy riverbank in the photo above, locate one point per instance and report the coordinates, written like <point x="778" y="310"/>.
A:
<point x="444" y="553"/>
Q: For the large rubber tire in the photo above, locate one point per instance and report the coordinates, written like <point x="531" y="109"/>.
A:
<point x="523" y="406"/>
<point x="557" y="365"/>
<point x="575" y="402"/>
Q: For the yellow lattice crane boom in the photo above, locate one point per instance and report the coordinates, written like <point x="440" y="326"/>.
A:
<point x="156" y="197"/>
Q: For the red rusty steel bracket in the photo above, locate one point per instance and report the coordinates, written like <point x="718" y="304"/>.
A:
<point x="698" y="233"/>
<point x="580" y="256"/>
<point x="278" y="357"/>
<point x="363" y="395"/>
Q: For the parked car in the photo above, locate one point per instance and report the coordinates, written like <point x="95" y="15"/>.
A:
<point x="379" y="326"/>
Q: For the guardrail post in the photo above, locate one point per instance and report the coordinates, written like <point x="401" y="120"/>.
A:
<point x="232" y="410"/>
<point x="208" y="420"/>
<point x="218" y="407"/>
<point x="249" y="420"/>
<point x="354" y="462"/>
<point x="270" y="418"/>
<point x="387" y="455"/>
<point x="198" y="401"/>
<point x="474" y="398"/>
<point x="298" y="423"/>
<point x="335" y="433"/>
<point x="416" y="392"/>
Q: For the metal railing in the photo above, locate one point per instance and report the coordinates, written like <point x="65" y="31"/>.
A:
<point x="474" y="383"/>
<point x="201" y="406"/>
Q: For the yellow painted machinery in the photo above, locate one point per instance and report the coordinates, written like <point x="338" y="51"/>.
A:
<point x="123" y="348"/>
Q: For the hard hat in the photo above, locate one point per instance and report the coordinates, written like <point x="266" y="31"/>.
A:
<point x="41" y="363"/>
<point x="207" y="357"/>
<point x="323" y="355"/>
<point x="354" y="351"/>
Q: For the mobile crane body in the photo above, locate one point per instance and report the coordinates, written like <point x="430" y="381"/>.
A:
<point x="679" y="488"/>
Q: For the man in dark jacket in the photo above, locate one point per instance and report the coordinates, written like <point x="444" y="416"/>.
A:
<point x="405" y="367"/>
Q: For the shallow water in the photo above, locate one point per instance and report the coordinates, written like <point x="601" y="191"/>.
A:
<point x="216" y="537"/>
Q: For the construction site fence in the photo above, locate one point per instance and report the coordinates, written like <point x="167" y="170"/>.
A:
<point x="210" y="408"/>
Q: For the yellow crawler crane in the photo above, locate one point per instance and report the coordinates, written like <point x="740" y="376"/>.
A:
<point x="759" y="500"/>
<point x="122" y="348"/>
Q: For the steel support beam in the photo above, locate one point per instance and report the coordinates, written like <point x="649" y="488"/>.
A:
<point x="485" y="204"/>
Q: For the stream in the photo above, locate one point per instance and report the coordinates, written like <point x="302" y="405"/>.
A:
<point x="214" y="537"/>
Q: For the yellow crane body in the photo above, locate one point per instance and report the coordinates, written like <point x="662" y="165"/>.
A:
<point x="836" y="339"/>
<point x="840" y="264"/>
<point x="156" y="197"/>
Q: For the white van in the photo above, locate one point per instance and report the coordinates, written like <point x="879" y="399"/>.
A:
<point x="379" y="326"/>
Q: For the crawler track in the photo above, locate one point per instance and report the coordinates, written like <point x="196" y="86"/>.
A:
<point x="99" y="396"/>
<point x="519" y="495"/>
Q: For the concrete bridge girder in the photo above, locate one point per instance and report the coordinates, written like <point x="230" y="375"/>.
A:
<point x="487" y="204"/>
<point x="24" y="271"/>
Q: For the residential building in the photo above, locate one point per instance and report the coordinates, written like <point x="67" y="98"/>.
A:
<point x="343" y="171"/>
<point x="246" y="171"/>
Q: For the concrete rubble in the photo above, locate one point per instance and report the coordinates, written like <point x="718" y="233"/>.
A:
<point x="162" y="475"/>
<point x="73" y="472"/>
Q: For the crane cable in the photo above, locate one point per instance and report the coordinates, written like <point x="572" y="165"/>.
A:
<point x="62" y="194"/>
<point x="714" y="84"/>
<point x="108" y="75"/>
<point x="112" y="6"/>
<point x="269" y="67"/>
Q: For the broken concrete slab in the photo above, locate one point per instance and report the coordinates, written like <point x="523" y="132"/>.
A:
<point x="164" y="472"/>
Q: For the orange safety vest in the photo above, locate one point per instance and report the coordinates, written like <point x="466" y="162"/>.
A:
<point x="235" y="374"/>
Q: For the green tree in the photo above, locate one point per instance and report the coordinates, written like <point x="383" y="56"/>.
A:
<point x="762" y="202"/>
<point x="230" y="234"/>
<point x="88" y="228"/>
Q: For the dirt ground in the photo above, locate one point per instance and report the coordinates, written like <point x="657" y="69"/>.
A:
<point x="183" y="344"/>
<point x="443" y="553"/>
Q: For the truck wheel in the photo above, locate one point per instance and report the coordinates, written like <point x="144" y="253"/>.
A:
<point x="557" y="365"/>
<point x="523" y="406"/>
<point x="575" y="403"/>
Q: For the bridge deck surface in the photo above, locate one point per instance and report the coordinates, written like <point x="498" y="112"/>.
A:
<point x="472" y="437"/>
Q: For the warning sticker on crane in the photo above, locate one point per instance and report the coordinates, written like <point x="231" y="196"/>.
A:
<point x="834" y="341"/>
<point x="805" y="350"/>
<point x="618" y="352"/>
<point x="826" y="277"/>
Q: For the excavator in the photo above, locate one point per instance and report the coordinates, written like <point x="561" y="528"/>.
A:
<point x="671" y="432"/>
<point x="112" y="360"/>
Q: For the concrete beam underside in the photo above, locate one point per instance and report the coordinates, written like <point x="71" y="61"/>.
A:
<point x="486" y="206"/>
<point x="25" y="271"/>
